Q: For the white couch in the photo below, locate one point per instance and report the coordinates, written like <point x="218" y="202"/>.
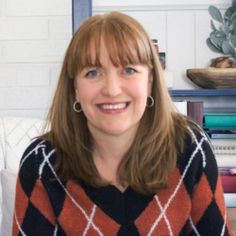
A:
<point x="15" y="135"/>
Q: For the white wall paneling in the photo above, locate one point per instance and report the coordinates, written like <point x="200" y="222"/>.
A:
<point x="18" y="28"/>
<point x="37" y="8"/>
<point x="157" y="30"/>
<point x="1" y="8"/>
<point x="33" y="38"/>
<point x="12" y="75"/>
<point x="103" y="3"/>
<point x="48" y="51"/>
<point x="58" y="28"/>
<point x="181" y="27"/>
<point x="180" y="45"/>
<point x="202" y="53"/>
<point x="25" y="98"/>
<point x="153" y="5"/>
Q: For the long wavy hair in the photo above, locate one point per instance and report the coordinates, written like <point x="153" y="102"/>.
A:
<point x="160" y="136"/>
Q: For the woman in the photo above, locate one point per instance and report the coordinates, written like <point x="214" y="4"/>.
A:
<point x="118" y="159"/>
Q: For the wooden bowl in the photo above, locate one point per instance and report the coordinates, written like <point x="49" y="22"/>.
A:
<point x="213" y="77"/>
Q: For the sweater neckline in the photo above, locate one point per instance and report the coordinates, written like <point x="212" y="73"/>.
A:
<point x="123" y="207"/>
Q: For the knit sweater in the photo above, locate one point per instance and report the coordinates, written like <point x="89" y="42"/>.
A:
<point x="192" y="204"/>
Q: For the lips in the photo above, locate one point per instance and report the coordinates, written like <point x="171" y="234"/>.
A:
<point x="113" y="106"/>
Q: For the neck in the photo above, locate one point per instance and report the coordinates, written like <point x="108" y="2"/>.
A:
<point x="109" y="150"/>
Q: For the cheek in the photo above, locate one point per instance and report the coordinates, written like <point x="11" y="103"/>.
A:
<point x="76" y="86"/>
<point x="85" y="92"/>
<point x="150" y="84"/>
<point x="77" y="95"/>
<point x="141" y="89"/>
<point x="80" y="90"/>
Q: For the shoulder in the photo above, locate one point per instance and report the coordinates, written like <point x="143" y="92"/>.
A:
<point x="198" y="157"/>
<point x="37" y="153"/>
<point x="197" y="140"/>
<point x="34" y="174"/>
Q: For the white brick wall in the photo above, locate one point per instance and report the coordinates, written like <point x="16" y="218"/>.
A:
<point x="34" y="51"/>
<point x="1" y="52"/>
<point x="33" y="38"/>
<point x="24" y="75"/>
<point x="38" y="8"/>
<point x="18" y="28"/>
<point x="35" y="33"/>
<point x="1" y="8"/>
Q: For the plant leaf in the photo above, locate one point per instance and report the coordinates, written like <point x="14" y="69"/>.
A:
<point x="228" y="49"/>
<point x="233" y="40"/>
<point x="212" y="46"/>
<point x="219" y="34"/>
<point x="217" y="39"/>
<point x="234" y="21"/>
<point x="231" y="28"/>
<point x="234" y="14"/>
<point x="215" y="13"/>
<point x="226" y="29"/>
<point x="228" y="14"/>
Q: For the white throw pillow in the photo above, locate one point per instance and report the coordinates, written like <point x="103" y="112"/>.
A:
<point x="18" y="134"/>
<point x="8" y="181"/>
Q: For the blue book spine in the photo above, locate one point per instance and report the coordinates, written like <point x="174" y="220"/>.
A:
<point x="219" y="120"/>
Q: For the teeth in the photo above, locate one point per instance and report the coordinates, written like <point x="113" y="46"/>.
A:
<point x="114" y="106"/>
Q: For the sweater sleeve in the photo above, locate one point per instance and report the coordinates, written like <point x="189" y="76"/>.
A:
<point x="33" y="213"/>
<point x="208" y="214"/>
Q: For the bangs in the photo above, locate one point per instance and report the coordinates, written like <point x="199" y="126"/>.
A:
<point x="125" y="45"/>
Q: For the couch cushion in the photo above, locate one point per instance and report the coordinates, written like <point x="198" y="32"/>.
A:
<point x="18" y="133"/>
<point x="8" y="181"/>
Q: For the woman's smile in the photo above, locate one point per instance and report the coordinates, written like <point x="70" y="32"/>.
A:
<point x="113" y="108"/>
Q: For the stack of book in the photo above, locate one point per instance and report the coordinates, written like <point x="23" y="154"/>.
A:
<point x="192" y="109"/>
<point x="221" y="128"/>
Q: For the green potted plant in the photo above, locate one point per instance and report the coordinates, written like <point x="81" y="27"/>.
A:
<point x="222" y="39"/>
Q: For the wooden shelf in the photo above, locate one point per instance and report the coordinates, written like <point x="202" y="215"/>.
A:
<point x="201" y="92"/>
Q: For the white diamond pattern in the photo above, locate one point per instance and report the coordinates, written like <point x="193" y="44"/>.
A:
<point x="16" y="134"/>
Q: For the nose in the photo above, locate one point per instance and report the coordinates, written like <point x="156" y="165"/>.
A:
<point x="112" y="85"/>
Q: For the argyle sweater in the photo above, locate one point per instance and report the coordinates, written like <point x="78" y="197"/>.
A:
<point x="193" y="203"/>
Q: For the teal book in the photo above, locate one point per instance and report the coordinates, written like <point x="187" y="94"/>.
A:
<point x="220" y="120"/>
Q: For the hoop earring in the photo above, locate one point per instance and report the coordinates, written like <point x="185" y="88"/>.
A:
<point x="75" y="108"/>
<point x="150" y="101"/>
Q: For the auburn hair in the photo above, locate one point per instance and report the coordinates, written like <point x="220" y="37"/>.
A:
<point x="160" y="136"/>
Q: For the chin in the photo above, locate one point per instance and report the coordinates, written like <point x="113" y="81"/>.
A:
<point x="114" y="128"/>
<point x="114" y="132"/>
<point x="118" y="130"/>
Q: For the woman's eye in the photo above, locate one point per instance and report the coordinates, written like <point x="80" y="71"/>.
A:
<point x="92" y="74"/>
<point x="129" y="70"/>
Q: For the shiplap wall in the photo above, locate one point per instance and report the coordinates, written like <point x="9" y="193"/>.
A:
<point x="34" y="35"/>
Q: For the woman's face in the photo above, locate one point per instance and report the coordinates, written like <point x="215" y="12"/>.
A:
<point x="113" y="98"/>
